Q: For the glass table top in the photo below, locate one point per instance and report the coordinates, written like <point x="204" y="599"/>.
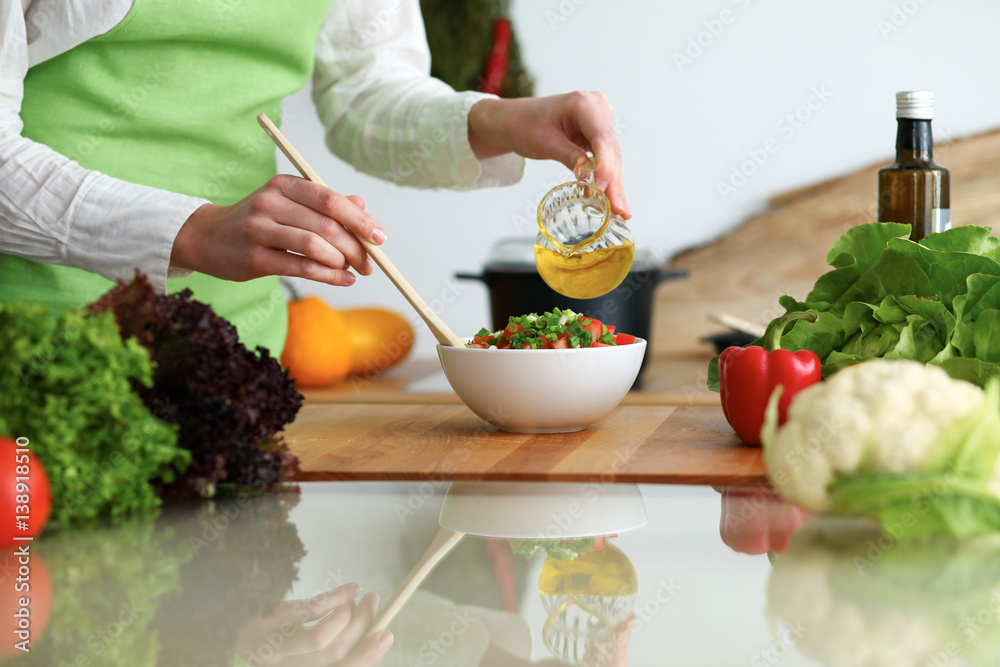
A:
<point x="584" y="574"/>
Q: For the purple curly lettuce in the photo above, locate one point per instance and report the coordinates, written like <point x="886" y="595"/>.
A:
<point x="229" y="402"/>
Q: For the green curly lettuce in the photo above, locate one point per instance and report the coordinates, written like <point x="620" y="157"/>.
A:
<point x="66" y="384"/>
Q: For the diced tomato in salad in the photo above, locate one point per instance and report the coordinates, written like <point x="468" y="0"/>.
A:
<point x="624" y="339"/>
<point x="558" y="329"/>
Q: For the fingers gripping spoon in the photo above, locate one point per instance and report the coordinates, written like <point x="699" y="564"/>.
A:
<point x="442" y="333"/>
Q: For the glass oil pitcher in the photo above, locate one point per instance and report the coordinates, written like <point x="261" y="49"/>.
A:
<point x="582" y="249"/>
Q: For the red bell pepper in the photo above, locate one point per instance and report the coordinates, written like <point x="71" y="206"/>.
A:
<point x="748" y="376"/>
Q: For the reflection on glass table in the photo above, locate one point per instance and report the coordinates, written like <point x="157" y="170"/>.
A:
<point x="849" y="595"/>
<point x="199" y="585"/>
<point x="241" y="582"/>
<point x="587" y="585"/>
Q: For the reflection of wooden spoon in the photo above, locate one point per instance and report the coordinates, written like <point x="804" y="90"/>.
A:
<point x="443" y="542"/>
<point x="444" y="335"/>
<point x="520" y="510"/>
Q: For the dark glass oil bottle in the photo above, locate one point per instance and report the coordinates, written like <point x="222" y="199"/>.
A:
<point x="913" y="189"/>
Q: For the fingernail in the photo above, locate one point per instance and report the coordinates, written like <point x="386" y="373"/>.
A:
<point x="378" y="236"/>
<point x="601" y="183"/>
<point x="622" y="205"/>
<point x="349" y="278"/>
<point x="353" y="589"/>
<point x="385" y="640"/>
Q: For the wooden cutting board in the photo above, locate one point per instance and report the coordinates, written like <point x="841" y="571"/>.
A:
<point x="634" y="444"/>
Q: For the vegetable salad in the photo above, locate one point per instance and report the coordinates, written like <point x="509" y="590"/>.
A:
<point x="558" y="329"/>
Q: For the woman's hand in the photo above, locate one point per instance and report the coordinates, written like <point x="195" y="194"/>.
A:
<point x="560" y="127"/>
<point x="288" y="227"/>
<point x="292" y="637"/>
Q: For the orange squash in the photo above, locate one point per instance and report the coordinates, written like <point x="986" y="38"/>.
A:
<point x="380" y="339"/>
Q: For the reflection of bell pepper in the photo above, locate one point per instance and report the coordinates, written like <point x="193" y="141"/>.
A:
<point x="748" y="375"/>
<point x="758" y="521"/>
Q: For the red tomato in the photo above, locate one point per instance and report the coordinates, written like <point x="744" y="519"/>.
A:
<point x="595" y="327"/>
<point x="624" y="339"/>
<point x="611" y="329"/>
<point x="561" y="343"/>
<point x="512" y="329"/>
<point x="25" y="495"/>
<point x="35" y="586"/>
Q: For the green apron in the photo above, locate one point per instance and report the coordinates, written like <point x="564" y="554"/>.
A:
<point x="169" y="98"/>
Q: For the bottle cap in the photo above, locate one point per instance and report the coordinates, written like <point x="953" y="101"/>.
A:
<point x="917" y="104"/>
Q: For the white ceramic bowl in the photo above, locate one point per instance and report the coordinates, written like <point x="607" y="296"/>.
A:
<point x="542" y="391"/>
<point x="542" y="510"/>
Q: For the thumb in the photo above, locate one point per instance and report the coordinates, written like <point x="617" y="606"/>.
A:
<point x="569" y="154"/>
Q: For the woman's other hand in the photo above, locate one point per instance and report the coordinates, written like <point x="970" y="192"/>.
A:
<point x="560" y="127"/>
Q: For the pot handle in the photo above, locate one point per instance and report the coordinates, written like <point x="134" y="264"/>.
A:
<point x="471" y="276"/>
<point x="662" y="275"/>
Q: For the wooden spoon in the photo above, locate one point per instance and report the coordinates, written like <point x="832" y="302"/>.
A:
<point x="444" y="335"/>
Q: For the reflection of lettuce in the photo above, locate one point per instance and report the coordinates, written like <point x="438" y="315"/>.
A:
<point x="106" y="584"/>
<point x="565" y="549"/>
<point x="174" y="592"/>
<point x="850" y="596"/>
<point x="936" y="301"/>
<point x="246" y="556"/>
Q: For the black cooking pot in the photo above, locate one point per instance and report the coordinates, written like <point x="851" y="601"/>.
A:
<point x="516" y="289"/>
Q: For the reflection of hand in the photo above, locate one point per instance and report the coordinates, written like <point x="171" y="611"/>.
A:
<point x="288" y="227"/>
<point x="755" y="521"/>
<point x="560" y="127"/>
<point x="335" y="626"/>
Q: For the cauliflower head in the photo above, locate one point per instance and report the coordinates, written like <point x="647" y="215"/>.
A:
<point x="880" y="417"/>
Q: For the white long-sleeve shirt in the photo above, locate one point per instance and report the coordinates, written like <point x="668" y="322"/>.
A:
<point x="381" y="110"/>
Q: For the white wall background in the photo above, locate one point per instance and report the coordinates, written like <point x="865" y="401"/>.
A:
<point x="698" y="89"/>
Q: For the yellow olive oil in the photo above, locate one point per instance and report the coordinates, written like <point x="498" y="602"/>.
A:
<point x="584" y="275"/>
<point x="607" y="572"/>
